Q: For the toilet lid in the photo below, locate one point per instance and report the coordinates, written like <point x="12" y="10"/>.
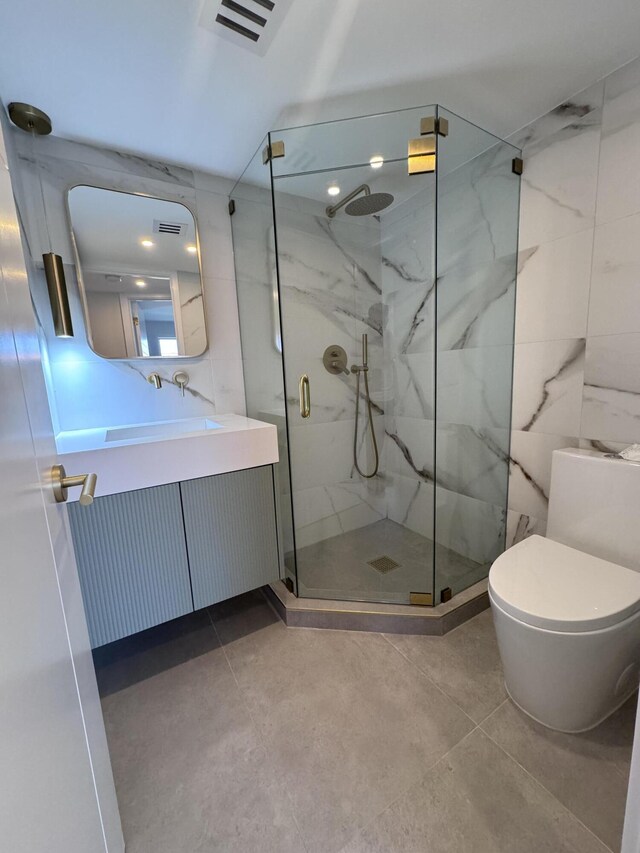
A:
<point x="549" y="585"/>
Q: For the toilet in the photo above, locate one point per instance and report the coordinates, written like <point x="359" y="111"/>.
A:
<point x="566" y="607"/>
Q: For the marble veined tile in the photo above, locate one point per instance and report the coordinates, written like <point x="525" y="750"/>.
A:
<point x="569" y="112"/>
<point x="475" y="302"/>
<point x="409" y="448"/>
<point x="611" y="405"/>
<point x="614" y="306"/>
<point x="470" y="527"/>
<point x="410" y="318"/>
<point x="57" y="176"/>
<point x="553" y="289"/>
<point x="474" y="386"/>
<point x="548" y="378"/>
<point x="619" y="184"/>
<point x="94" y="394"/>
<point x="530" y="471"/>
<point x="107" y="158"/>
<point x="473" y="461"/>
<point x="411" y="384"/>
<point x="410" y="503"/>
<point x="520" y="526"/>
<point x="558" y="190"/>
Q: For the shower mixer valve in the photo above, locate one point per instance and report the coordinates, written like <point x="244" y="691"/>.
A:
<point x="335" y="360"/>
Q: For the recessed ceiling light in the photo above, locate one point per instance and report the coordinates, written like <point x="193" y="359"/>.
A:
<point x="334" y="189"/>
<point x="147" y="243"/>
<point x="192" y="249"/>
<point x="141" y="283"/>
<point x="376" y="161"/>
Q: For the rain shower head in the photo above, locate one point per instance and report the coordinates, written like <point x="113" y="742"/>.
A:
<point x="366" y="205"/>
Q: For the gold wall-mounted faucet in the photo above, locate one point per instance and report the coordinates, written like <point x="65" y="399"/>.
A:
<point x="155" y="379"/>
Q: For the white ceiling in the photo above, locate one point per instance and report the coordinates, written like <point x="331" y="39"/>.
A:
<point x="144" y="76"/>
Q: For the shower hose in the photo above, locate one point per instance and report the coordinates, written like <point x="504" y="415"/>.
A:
<point x="370" y="419"/>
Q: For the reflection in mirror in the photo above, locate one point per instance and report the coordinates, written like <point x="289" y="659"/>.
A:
<point x="139" y="274"/>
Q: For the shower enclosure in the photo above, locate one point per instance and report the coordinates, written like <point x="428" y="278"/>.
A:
<point x="376" y="269"/>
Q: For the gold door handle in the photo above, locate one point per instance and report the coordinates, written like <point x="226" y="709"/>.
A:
<point x="61" y="483"/>
<point x="305" y="396"/>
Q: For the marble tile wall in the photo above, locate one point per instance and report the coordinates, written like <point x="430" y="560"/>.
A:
<point x="88" y="391"/>
<point x="330" y="294"/>
<point x="577" y="354"/>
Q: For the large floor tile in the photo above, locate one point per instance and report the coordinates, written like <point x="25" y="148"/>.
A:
<point x="348" y="722"/>
<point x="464" y="663"/>
<point x="476" y="800"/>
<point x="191" y="772"/>
<point x="586" y="772"/>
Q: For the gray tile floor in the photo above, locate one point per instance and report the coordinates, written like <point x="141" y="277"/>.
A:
<point x="338" y="567"/>
<point x="230" y="732"/>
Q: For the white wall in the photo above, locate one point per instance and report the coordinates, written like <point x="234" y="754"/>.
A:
<point x="577" y="355"/>
<point x="89" y="391"/>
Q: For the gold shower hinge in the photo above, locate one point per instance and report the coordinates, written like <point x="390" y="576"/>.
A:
<point x="433" y="125"/>
<point x="271" y="152"/>
<point x="517" y="165"/>
<point x="424" y="599"/>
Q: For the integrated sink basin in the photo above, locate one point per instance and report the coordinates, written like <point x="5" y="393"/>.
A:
<point x="164" y="429"/>
<point x="127" y="457"/>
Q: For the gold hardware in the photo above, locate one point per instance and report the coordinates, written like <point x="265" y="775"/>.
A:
<point x="58" y="298"/>
<point x="181" y="379"/>
<point x="432" y="125"/>
<point x="272" y="151"/>
<point x="422" y="155"/>
<point x="424" y="599"/>
<point x="61" y="483"/>
<point x="335" y="359"/>
<point x="155" y="379"/>
<point x="517" y="165"/>
<point x="305" y="396"/>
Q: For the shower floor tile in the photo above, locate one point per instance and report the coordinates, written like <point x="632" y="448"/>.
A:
<point x="230" y="732"/>
<point x="339" y="567"/>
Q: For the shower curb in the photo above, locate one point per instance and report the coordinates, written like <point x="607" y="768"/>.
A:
<point x="379" y="618"/>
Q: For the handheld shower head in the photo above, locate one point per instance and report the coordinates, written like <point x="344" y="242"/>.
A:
<point x="368" y="204"/>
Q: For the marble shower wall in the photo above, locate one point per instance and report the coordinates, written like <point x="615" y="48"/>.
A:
<point x="88" y="391"/>
<point x="408" y="275"/>
<point x="469" y="387"/>
<point x="577" y="355"/>
<point x="477" y="262"/>
<point x="330" y="294"/>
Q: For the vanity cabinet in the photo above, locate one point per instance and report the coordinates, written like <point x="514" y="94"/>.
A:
<point x="231" y="533"/>
<point x="151" y="555"/>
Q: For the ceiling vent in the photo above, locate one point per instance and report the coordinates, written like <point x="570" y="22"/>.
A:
<point x="177" y="228"/>
<point x="251" y="24"/>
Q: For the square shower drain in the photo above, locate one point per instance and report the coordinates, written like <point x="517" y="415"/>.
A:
<point x="383" y="564"/>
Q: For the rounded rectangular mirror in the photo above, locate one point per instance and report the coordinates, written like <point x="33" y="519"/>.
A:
<point x="139" y="274"/>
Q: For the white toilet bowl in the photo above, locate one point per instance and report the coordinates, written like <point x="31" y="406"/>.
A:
<point x="568" y="629"/>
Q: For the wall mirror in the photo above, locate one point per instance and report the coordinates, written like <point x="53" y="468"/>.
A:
<point x="139" y="274"/>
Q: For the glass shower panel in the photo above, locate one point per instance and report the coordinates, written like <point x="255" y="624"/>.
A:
<point x="257" y="288"/>
<point x="477" y="230"/>
<point x="358" y="537"/>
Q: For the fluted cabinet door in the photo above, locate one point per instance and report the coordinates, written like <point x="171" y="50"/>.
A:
<point x="132" y="561"/>
<point x="231" y="533"/>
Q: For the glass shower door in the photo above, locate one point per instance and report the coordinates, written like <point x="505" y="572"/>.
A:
<point x="477" y="242"/>
<point x="362" y="534"/>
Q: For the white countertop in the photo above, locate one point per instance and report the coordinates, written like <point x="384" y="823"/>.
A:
<point x="137" y="456"/>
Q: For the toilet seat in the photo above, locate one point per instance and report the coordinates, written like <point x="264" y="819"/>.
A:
<point x="549" y="585"/>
